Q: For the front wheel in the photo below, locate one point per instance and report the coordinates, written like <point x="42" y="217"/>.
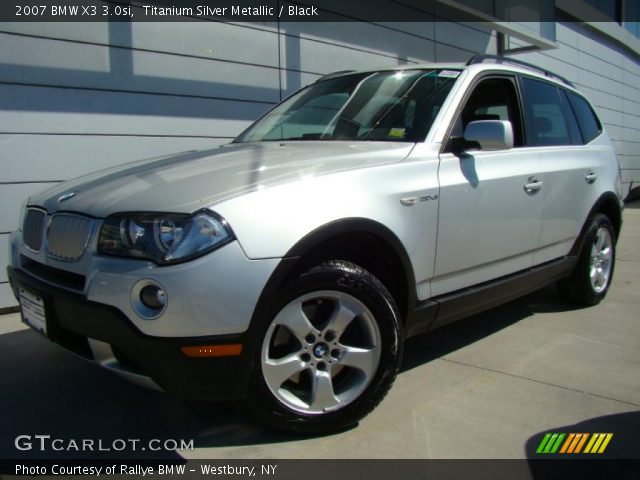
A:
<point x="330" y="350"/>
<point x="591" y="278"/>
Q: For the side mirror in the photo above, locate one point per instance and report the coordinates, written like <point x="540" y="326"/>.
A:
<point x="489" y="134"/>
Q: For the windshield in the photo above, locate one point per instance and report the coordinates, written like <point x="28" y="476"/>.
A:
<point x="395" y="106"/>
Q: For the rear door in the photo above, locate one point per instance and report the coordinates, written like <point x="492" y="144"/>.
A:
<point x="490" y="207"/>
<point x="571" y="168"/>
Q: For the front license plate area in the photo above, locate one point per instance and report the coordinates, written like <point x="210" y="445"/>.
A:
<point x="33" y="311"/>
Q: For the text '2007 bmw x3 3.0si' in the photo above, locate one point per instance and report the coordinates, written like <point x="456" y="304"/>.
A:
<point x="288" y="267"/>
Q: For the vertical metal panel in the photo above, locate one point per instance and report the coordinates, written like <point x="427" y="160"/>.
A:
<point x="32" y="228"/>
<point x="67" y="236"/>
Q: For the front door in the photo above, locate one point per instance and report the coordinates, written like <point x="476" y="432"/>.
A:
<point x="490" y="207"/>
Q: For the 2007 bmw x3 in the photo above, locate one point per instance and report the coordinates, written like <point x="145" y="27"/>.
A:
<point x="288" y="267"/>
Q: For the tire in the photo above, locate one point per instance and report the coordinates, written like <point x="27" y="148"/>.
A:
<point x="592" y="275"/>
<point x="330" y="348"/>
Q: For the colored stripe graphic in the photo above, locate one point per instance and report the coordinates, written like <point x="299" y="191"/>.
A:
<point x="543" y="443"/>
<point x="607" y="439"/>
<point x="567" y="443"/>
<point x="556" y="445"/>
<point x="574" y="443"/>
<point x="590" y="444"/>
<point x="598" y="442"/>
<point x="550" y="443"/>
<point x="581" y="443"/>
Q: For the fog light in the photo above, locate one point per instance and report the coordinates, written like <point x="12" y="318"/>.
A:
<point x="153" y="297"/>
<point x="149" y="299"/>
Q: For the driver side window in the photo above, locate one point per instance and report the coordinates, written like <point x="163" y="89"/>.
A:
<point x="494" y="98"/>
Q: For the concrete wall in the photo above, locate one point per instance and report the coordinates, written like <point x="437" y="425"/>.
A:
<point x="77" y="97"/>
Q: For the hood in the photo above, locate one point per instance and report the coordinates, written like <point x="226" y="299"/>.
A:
<point x="191" y="180"/>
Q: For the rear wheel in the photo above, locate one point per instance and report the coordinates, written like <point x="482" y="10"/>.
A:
<point x="591" y="278"/>
<point x="330" y="350"/>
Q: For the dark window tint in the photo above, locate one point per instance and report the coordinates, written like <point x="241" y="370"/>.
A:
<point x="492" y="99"/>
<point x="589" y="123"/>
<point x="545" y="115"/>
<point x="569" y="115"/>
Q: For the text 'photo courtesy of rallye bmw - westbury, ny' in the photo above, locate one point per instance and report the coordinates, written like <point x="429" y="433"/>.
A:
<point x="141" y="471"/>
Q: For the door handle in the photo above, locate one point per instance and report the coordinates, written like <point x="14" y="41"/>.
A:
<point x="533" y="185"/>
<point x="590" y="177"/>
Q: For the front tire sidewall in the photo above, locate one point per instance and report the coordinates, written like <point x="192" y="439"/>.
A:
<point x="352" y="280"/>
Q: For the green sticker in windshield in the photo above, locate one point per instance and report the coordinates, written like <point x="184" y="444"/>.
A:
<point x="396" y="133"/>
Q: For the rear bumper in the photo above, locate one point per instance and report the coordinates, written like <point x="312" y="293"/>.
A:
<point x="104" y="335"/>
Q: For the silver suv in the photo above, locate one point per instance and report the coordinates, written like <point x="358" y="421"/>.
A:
<point x="288" y="267"/>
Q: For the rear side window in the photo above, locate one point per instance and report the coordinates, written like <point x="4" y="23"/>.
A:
<point x="546" y="116"/>
<point x="587" y="120"/>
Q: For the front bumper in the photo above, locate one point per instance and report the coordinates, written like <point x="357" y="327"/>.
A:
<point x="215" y="294"/>
<point x="103" y="334"/>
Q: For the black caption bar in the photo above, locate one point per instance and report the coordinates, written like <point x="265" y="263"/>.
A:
<point x="155" y="10"/>
<point x="323" y="469"/>
<point x="281" y="10"/>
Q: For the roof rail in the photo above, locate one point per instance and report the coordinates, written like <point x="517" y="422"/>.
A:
<point x="500" y="59"/>
<point x="334" y="74"/>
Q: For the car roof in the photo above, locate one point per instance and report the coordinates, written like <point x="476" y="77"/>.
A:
<point x="475" y="68"/>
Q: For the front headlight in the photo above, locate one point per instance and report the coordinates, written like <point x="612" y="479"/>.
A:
<point x="163" y="238"/>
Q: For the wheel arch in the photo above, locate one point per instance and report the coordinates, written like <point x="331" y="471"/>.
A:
<point x="362" y="241"/>
<point x="608" y="204"/>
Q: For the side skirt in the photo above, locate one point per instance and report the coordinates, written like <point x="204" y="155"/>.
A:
<point x="447" y="308"/>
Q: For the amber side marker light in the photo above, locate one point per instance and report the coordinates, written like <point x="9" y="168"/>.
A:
<point x="230" y="350"/>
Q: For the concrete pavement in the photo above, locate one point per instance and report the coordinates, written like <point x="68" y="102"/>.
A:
<point x="486" y="387"/>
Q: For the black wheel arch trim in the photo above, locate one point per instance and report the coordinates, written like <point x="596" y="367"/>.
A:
<point x="354" y="225"/>
<point x="606" y="198"/>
